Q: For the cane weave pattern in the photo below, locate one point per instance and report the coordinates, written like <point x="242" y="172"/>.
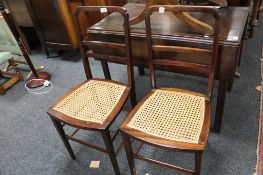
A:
<point x="171" y="115"/>
<point x="92" y="102"/>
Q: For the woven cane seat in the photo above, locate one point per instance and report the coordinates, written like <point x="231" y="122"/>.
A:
<point x="92" y="101"/>
<point x="172" y="115"/>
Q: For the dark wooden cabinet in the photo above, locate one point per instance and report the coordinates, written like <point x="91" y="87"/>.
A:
<point x="53" y="20"/>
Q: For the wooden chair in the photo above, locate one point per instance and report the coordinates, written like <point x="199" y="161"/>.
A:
<point x="170" y="118"/>
<point x="95" y="103"/>
<point x="14" y="76"/>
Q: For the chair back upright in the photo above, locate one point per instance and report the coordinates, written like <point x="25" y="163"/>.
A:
<point x="212" y="52"/>
<point x="85" y="43"/>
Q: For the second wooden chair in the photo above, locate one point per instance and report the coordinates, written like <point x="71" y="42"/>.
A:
<point x="171" y="118"/>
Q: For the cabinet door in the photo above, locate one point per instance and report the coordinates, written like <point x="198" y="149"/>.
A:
<point x="49" y="23"/>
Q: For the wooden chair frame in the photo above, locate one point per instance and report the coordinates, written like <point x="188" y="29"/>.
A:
<point x="130" y="133"/>
<point x="59" y="119"/>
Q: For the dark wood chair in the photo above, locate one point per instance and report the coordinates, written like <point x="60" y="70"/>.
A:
<point x="171" y="118"/>
<point x="95" y="103"/>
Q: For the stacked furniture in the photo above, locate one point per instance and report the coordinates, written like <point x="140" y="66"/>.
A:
<point x="53" y="21"/>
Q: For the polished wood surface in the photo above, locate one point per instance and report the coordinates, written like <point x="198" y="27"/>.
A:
<point x="174" y="32"/>
<point x="233" y="19"/>
<point x="197" y="24"/>
<point x="154" y="60"/>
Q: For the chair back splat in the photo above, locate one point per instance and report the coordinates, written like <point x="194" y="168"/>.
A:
<point x="155" y="48"/>
<point x="85" y="43"/>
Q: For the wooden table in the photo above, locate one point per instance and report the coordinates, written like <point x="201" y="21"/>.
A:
<point x="233" y="22"/>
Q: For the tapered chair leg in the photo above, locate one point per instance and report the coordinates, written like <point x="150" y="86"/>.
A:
<point x="109" y="146"/>
<point x="198" y="157"/>
<point x="133" y="97"/>
<point x="62" y="135"/>
<point x="141" y="71"/>
<point x="106" y="70"/>
<point x="129" y="154"/>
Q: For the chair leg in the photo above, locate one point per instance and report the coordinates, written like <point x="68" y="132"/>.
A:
<point x="63" y="137"/>
<point x="133" y="97"/>
<point x="141" y="71"/>
<point x="106" y="70"/>
<point x="109" y="146"/>
<point x="198" y="157"/>
<point x="129" y="154"/>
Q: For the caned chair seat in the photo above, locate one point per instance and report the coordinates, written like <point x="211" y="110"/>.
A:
<point x="172" y="114"/>
<point x="91" y="102"/>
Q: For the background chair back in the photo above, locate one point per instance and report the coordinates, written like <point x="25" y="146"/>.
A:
<point x="85" y="43"/>
<point x="171" y="52"/>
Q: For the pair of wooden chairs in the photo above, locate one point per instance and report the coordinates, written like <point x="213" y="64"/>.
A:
<point x="169" y="118"/>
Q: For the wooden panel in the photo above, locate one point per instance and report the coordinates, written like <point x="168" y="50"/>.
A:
<point x="49" y="18"/>
<point x="19" y="12"/>
<point x="54" y="24"/>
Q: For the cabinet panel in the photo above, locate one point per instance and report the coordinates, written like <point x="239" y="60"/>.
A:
<point x="47" y="15"/>
<point x="53" y="20"/>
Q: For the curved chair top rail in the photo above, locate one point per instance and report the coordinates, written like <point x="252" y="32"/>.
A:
<point x="85" y="42"/>
<point x="212" y="53"/>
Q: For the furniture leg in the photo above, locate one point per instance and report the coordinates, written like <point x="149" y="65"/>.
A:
<point x="63" y="136"/>
<point x="2" y="91"/>
<point x="47" y="52"/>
<point x="133" y="96"/>
<point x="141" y="71"/>
<point x="129" y="154"/>
<point x="1" y="75"/>
<point x="240" y="52"/>
<point x="230" y="85"/>
<point x="106" y="71"/>
<point x="254" y="20"/>
<point x="220" y="105"/>
<point x="109" y="146"/>
<point x="198" y="159"/>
